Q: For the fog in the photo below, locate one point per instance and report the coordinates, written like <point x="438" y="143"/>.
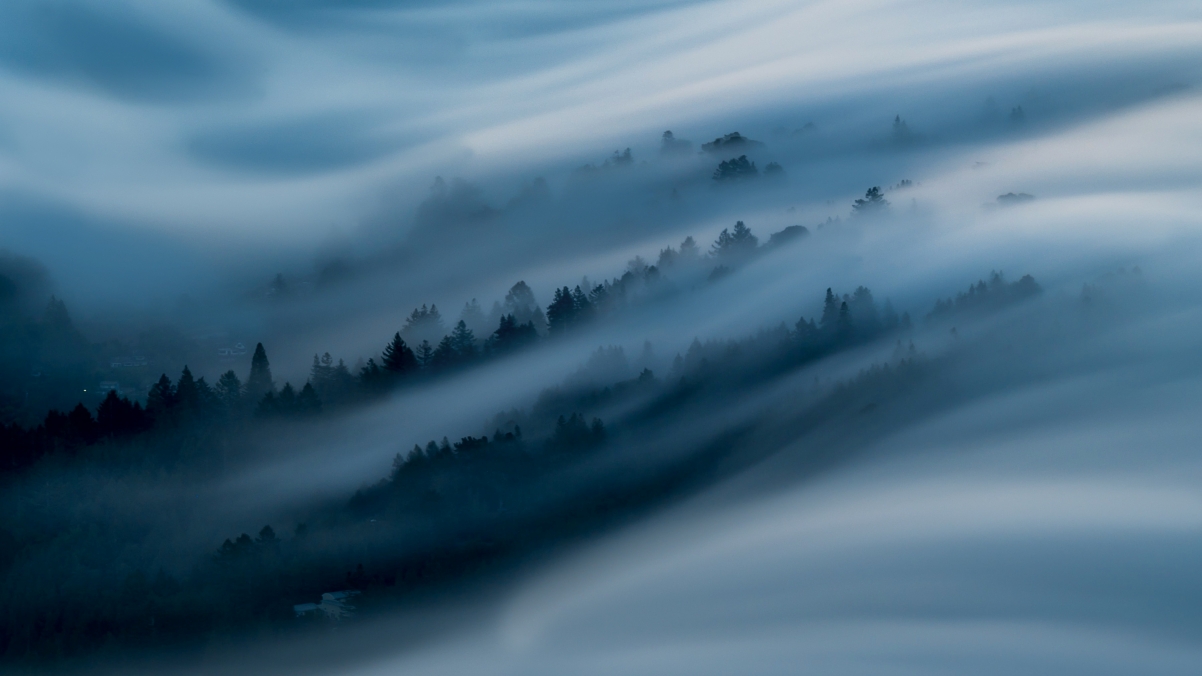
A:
<point x="1017" y="491"/>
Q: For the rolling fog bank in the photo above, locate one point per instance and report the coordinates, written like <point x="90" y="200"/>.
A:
<point x="883" y="360"/>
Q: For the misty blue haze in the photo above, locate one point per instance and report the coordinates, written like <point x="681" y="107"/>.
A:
<point x="1038" y="511"/>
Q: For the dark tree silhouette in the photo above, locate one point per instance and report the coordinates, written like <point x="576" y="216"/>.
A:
<point x="81" y="426"/>
<point x="511" y="336"/>
<point x="830" y="312"/>
<point x="259" y="383"/>
<point x="444" y="355"/>
<point x="187" y="394"/>
<point x="843" y="325"/>
<point x="118" y="417"/>
<point x="874" y="202"/>
<point x="161" y="397"/>
<point x="287" y="399"/>
<point x="733" y="141"/>
<point x="322" y="371"/>
<point x="463" y="343"/>
<point x="735" y="169"/>
<point x="582" y="309"/>
<point x="307" y="402"/>
<point x="734" y="245"/>
<point x="561" y="313"/>
<point x="863" y="312"/>
<point x="398" y="359"/>
<point x="424" y="354"/>
<point x="229" y="390"/>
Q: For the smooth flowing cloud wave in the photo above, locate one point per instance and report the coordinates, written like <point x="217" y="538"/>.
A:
<point x="1048" y="523"/>
<point x="257" y="95"/>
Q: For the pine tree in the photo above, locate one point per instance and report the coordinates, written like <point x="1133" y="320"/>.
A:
<point x="398" y="359"/>
<point x="511" y="336"/>
<point x="229" y="389"/>
<point x="206" y="397"/>
<point x="463" y="342"/>
<point x="372" y="377"/>
<point x="874" y="201"/>
<point x="735" y="169"/>
<point x="82" y="427"/>
<point x="321" y="372"/>
<point x="259" y="383"/>
<point x="118" y="417"/>
<point x="667" y="257"/>
<point x="268" y="406"/>
<point x="444" y="354"/>
<point x="425" y="354"/>
<point x="561" y="312"/>
<point x="737" y="244"/>
<point x="689" y="251"/>
<point x="582" y="309"/>
<point x="186" y="394"/>
<point x="742" y="236"/>
<point x="843" y="325"/>
<point x="161" y="397"/>
<point x="500" y="339"/>
<point x="830" y="311"/>
<point x="287" y="399"/>
<point x="308" y="403"/>
<point x="600" y="298"/>
<point x="341" y="386"/>
<point x="864" y="313"/>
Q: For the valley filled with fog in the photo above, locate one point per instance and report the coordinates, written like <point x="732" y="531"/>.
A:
<point x="579" y="338"/>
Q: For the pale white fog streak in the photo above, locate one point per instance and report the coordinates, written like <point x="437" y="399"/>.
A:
<point x="1071" y="234"/>
<point x="1049" y="522"/>
<point x="1052" y="525"/>
<point x="1050" y="529"/>
<point x="298" y="124"/>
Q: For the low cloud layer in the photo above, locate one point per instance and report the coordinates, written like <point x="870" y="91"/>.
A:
<point x="1035" y="510"/>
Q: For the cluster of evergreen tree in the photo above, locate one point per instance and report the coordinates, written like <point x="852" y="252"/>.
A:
<point x="186" y="402"/>
<point x="984" y="296"/>
<point x="429" y="351"/>
<point x="736" y="169"/>
<point x="445" y="511"/>
<point x="519" y="323"/>
<point x="873" y="202"/>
